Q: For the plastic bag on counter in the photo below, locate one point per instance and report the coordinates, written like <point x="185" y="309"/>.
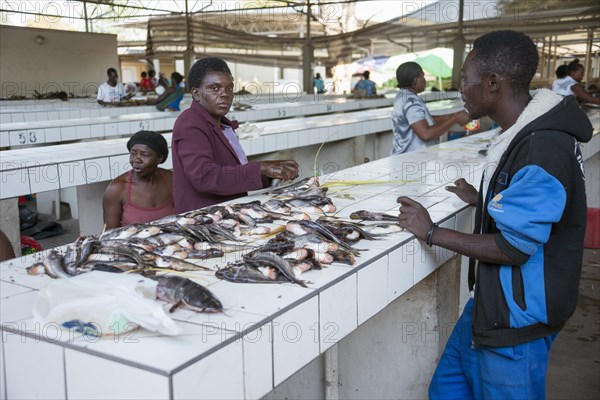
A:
<point x="248" y="131"/>
<point x="103" y="303"/>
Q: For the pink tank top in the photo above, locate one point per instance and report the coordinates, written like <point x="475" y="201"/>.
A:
<point x="136" y="215"/>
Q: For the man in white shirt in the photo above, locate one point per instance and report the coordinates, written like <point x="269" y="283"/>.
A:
<point x="112" y="91"/>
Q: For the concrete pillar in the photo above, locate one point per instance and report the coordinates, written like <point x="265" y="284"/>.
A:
<point x="592" y="180"/>
<point x="458" y="44"/>
<point x="89" y="199"/>
<point x="308" y="56"/>
<point x="9" y="223"/>
<point x="307" y="66"/>
<point x="588" y="58"/>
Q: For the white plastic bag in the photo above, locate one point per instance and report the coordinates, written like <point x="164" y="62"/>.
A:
<point x="104" y="303"/>
<point x="248" y="131"/>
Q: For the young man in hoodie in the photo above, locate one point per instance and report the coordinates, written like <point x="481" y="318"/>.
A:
<point x="529" y="228"/>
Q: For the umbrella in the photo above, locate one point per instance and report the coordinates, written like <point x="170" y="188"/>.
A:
<point x="369" y="63"/>
<point x="434" y="65"/>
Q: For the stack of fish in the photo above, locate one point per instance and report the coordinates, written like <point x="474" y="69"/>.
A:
<point x="302" y="237"/>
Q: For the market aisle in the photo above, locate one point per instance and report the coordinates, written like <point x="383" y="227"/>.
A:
<point x="574" y="371"/>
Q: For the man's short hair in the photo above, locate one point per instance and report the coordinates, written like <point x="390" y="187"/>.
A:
<point x="203" y="67"/>
<point x="510" y="54"/>
<point x="406" y="74"/>
<point x="110" y="71"/>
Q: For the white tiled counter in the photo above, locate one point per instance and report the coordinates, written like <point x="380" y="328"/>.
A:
<point x="80" y="124"/>
<point x="32" y="126"/>
<point x="32" y="170"/>
<point x="267" y="332"/>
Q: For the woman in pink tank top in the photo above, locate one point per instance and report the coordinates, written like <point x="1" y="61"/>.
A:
<point x="143" y="194"/>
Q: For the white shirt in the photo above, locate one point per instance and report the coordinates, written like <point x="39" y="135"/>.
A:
<point x="110" y="94"/>
<point x="542" y="101"/>
<point x="563" y="86"/>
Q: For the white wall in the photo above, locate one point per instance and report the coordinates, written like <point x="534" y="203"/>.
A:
<point x="75" y="62"/>
<point x="264" y="79"/>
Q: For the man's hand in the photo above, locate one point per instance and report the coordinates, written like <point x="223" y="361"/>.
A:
<point x="461" y="118"/>
<point x="413" y="217"/>
<point x="465" y="191"/>
<point x="286" y="170"/>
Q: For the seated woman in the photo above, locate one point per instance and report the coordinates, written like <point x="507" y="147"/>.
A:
<point x="414" y="127"/>
<point x="143" y="194"/>
<point x="571" y="84"/>
<point x="170" y="99"/>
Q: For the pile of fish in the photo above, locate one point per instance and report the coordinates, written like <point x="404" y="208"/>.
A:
<point x="272" y="242"/>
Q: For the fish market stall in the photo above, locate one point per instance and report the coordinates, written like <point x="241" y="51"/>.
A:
<point x="265" y="333"/>
<point x="365" y="318"/>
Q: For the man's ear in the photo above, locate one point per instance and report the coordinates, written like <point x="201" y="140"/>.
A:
<point x="491" y="87"/>
<point x="195" y="93"/>
<point x="493" y="82"/>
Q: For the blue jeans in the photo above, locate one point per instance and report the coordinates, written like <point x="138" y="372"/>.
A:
<point x="468" y="372"/>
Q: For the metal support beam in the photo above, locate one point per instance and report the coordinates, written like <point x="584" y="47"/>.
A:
<point x="588" y="59"/>
<point x="85" y="16"/>
<point x="543" y="57"/>
<point x="549" y="58"/>
<point x="188" y="54"/>
<point x="308" y="51"/>
<point x="458" y="45"/>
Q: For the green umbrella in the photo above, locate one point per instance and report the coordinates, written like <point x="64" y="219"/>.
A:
<point x="434" y="65"/>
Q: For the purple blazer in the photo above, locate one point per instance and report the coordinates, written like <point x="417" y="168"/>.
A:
<point x="206" y="170"/>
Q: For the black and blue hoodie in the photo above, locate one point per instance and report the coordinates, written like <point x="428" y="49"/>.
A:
<point x="536" y="208"/>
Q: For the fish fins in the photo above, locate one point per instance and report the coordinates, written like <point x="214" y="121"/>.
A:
<point x="175" y="306"/>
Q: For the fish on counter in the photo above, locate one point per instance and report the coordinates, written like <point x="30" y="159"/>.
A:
<point x="185" y="293"/>
<point x="274" y="241"/>
<point x="373" y="216"/>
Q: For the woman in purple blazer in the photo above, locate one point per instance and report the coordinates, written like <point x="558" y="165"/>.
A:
<point x="209" y="164"/>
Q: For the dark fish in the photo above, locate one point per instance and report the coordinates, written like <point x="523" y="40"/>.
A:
<point x="301" y="185"/>
<point x="182" y="292"/>
<point x="373" y="216"/>
<point x="243" y="273"/>
<point x="53" y="266"/>
<point x="344" y="256"/>
<point x="88" y="246"/>
<point x="348" y="225"/>
<point x="276" y="206"/>
<point x="204" y="254"/>
<point x="382" y="229"/>
<point x="217" y="230"/>
<point x="268" y="259"/>
<point x="312" y="226"/>
<point x="106" y="268"/>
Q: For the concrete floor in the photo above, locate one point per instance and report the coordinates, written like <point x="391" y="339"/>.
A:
<point x="574" y="370"/>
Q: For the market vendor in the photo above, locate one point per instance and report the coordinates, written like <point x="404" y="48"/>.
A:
<point x="209" y="163"/>
<point x="570" y="85"/>
<point x="112" y="91"/>
<point x="413" y="125"/>
<point x="144" y="193"/>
